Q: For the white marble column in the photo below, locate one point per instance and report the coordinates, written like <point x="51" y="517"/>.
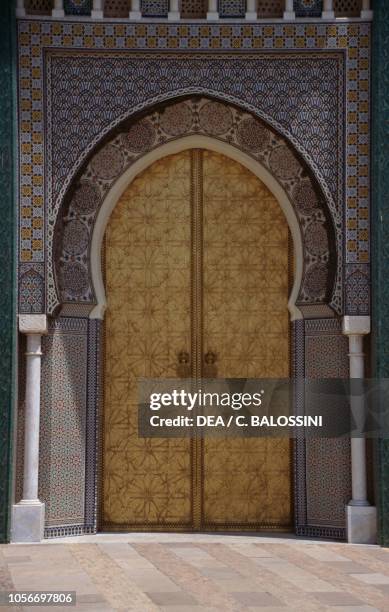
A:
<point x="361" y="517"/>
<point x="20" y="9"/>
<point x="289" y="10"/>
<point x="97" y="9"/>
<point x="58" y="11"/>
<point x="174" y="10"/>
<point x="366" y="12"/>
<point x="328" y="10"/>
<point x="251" y="10"/>
<point x="135" y="12"/>
<point x="28" y="515"/>
<point x="213" y="12"/>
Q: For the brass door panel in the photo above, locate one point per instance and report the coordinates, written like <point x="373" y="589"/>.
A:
<point x="196" y="263"/>
<point x="246" y="482"/>
<point x="147" y="483"/>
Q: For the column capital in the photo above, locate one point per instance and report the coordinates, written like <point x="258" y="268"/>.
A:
<point x="354" y="325"/>
<point x="33" y="324"/>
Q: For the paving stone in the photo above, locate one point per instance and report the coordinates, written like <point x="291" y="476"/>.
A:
<point x="177" y="598"/>
<point x="17" y="559"/>
<point x="191" y="552"/>
<point x="338" y="598"/>
<point x="372" y="578"/>
<point x="348" y="567"/>
<point x="354" y="609"/>
<point x="269" y="608"/>
<point x="257" y="599"/>
<point x="304" y="580"/>
<point x="238" y="585"/>
<point x="384" y="588"/>
<point x="251" y="550"/>
<point x="180" y="608"/>
<point x="322" y="553"/>
<point x="161" y="583"/>
<point x="90" y="598"/>
<point x="220" y="573"/>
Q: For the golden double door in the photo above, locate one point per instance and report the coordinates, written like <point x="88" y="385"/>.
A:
<point x="196" y="270"/>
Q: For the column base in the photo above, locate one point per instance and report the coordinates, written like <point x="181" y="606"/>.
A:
<point x="58" y="13"/>
<point x="97" y="14"/>
<point x="328" y="15"/>
<point x="212" y="16"/>
<point x="366" y="14"/>
<point x="361" y="524"/>
<point x="20" y="12"/>
<point x="251" y="16"/>
<point x="135" y="15"/>
<point x="289" y="15"/>
<point x="28" y="521"/>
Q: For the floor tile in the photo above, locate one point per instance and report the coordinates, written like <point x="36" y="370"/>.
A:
<point x="178" y="598"/>
<point x="340" y="598"/>
<point x="181" y="608"/>
<point x="238" y="584"/>
<point x="348" y="567"/>
<point x="90" y="598"/>
<point x="372" y="578"/>
<point x="354" y="609"/>
<point x="300" y="578"/>
<point x="257" y="599"/>
<point x="17" y="559"/>
<point x="321" y="553"/>
<point x="220" y="573"/>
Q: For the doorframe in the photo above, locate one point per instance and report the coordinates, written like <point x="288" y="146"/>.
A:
<point x="97" y="315"/>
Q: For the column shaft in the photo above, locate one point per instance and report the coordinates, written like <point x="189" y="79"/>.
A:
<point x="328" y="9"/>
<point x="58" y="10"/>
<point x="212" y="10"/>
<point x="366" y="12"/>
<point x="360" y="515"/>
<point x="358" y="445"/>
<point x="135" y="12"/>
<point x="32" y="417"/>
<point x="20" y="9"/>
<point x="98" y="9"/>
<point x="289" y="10"/>
<point x="174" y="10"/>
<point x="251" y="10"/>
<point x="28" y="516"/>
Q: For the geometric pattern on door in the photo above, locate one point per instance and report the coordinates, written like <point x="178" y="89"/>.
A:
<point x="196" y="260"/>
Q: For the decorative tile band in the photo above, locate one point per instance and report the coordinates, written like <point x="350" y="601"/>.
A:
<point x="86" y="109"/>
<point x="320" y="223"/>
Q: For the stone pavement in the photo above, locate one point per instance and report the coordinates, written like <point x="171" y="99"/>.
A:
<point x="200" y="573"/>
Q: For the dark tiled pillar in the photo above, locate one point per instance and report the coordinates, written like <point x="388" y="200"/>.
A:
<point x="7" y="278"/>
<point x="380" y="226"/>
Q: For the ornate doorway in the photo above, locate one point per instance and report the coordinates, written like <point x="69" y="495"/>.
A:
<point x="196" y="264"/>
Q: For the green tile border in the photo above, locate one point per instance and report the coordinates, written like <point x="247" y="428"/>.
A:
<point x="380" y="226"/>
<point x="7" y="253"/>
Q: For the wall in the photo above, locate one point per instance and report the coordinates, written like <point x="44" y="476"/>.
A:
<point x="80" y="80"/>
